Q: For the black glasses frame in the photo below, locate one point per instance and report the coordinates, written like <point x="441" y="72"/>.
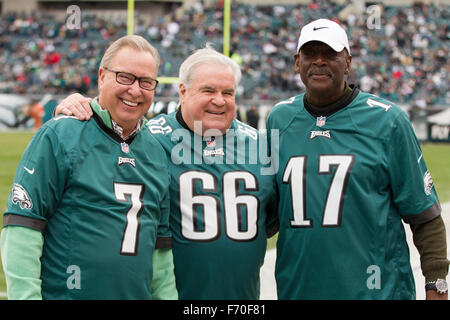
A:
<point x="139" y="79"/>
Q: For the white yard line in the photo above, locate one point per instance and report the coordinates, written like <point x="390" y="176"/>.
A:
<point x="268" y="285"/>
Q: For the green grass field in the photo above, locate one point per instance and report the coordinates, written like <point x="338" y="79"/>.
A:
<point x="13" y="144"/>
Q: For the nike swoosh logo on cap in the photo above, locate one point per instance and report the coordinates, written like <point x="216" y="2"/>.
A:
<point x="318" y="28"/>
<point x="29" y="171"/>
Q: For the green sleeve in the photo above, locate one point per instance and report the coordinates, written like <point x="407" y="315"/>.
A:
<point x="411" y="185"/>
<point x="430" y="240"/>
<point x="163" y="283"/>
<point x="21" y="250"/>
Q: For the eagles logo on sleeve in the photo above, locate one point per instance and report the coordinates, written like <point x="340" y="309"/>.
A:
<point x="21" y="197"/>
<point x="428" y="183"/>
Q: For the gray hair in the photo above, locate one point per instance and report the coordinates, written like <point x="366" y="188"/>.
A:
<point x="133" y="41"/>
<point x="206" y="55"/>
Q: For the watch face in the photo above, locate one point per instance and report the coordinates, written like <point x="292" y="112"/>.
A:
<point x="441" y="286"/>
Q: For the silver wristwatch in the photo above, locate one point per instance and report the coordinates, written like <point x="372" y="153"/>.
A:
<point x="440" y="286"/>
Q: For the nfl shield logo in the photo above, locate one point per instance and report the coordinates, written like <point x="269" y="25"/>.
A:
<point x="125" y="147"/>
<point x="211" y="143"/>
<point x="320" y="121"/>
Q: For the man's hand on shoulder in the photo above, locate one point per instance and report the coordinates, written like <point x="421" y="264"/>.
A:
<point x="75" y="105"/>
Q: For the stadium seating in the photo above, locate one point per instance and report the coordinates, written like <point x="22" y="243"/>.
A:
<point x="404" y="60"/>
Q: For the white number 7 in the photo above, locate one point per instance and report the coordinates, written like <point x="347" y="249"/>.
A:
<point x="295" y="174"/>
<point x="131" y="233"/>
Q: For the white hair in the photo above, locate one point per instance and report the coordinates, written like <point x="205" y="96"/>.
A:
<point x="206" y="55"/>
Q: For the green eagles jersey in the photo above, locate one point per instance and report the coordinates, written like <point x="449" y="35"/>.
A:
<point x="345" y="183"/>
<point x="103" y="203"/>
<point x="221" y="206"/>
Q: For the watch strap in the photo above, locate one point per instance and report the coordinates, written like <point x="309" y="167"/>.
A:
<point x="440" y="286"/>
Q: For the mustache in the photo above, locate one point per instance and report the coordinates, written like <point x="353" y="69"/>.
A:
<point x="319" y="72"/>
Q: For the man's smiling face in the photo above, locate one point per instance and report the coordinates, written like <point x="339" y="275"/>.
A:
<point x="127" y="103"/>
<point x="210" y="98"/>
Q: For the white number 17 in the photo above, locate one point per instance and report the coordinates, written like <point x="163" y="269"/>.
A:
<point x="295" y="175"/>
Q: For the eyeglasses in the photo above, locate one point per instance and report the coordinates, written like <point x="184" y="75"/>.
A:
<point x="126" y="78"/>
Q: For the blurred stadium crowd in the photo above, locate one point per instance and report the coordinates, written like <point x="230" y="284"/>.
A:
<point x="404" y="59"/>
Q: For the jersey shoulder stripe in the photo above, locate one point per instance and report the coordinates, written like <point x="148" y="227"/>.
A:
<point x="62" y="121"/>
<point x="245" y="131"/>
<point x="376" y="104"/>
<point x="163" y="126"/>
<point x="375" y="116"/>
<point x="284" y="112"/>
<point x="69" y="129"/>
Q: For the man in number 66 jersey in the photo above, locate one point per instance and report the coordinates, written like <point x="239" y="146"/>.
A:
<point x="350" y="170"/>
<point x="222" y="205"/>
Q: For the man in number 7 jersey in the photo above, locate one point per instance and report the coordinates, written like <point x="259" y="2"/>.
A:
<point x="88" y="214"/>
<point x="222" y="197"/>
<point x="350" y="170"/>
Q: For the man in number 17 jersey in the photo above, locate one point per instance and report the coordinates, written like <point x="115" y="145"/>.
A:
<point x="350" y="170"/>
